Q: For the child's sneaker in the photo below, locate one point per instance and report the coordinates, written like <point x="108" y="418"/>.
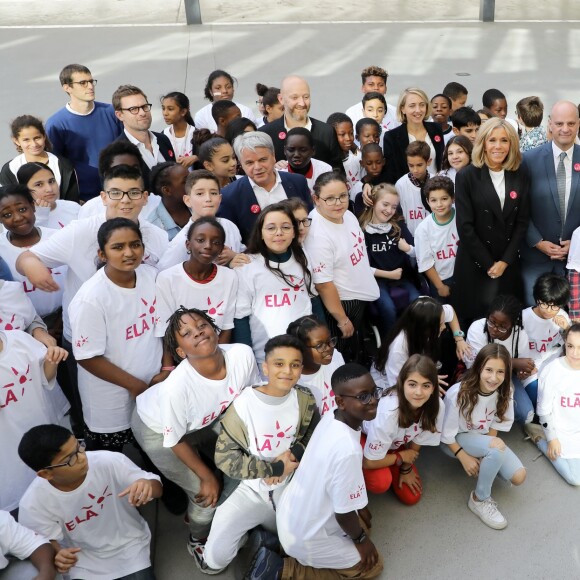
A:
<point x="534" y="432"/>
<point x="196" y="548"/>
<point x="266" y="565"/>
<point x="487" y="512"/>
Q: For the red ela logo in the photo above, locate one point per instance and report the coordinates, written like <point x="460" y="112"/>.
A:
<point x="278" y="437"/>
<point x="358" y="248"/>
<point x="142" y="326"/>
<point x="318" y="269"/>
<point x="482" y="423"/>
<point x="359" y="491"/>
<point x="167" y="431"/>
<point x="213" y="310"/>
<point x="327" y="402"/>
<point x="570" y="401"/>
<point x="545" y="343"/>
<point x="223" y="405"/>
<point x="279" y="300"/>
<point x="13" y="392"/>
<point x="81" y="341"/>
<point x="89" y="511"/>
<point x="10" y="325"/>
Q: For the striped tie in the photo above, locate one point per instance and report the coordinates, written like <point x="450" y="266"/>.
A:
<point x="561" y="182"/>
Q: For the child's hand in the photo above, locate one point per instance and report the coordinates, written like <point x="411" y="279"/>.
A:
<point x="43" y="337"/>
<point x="187" y="160"/>
<point x="525" y="365"/>
<point x="140" y="492"/>
<point x="240" y="260"/>
<point x="396" y="274"/>
<point x="42" y="279"/>
<point x="470" y="464"/>
<point x="444" y="291"/>
<point x="65" y="559"/>
<point x="368" y="555"/>
<point x="366" y="195"/>
<point x="281" y="165"/>
<point x="412" y="480"/>
<point x="289" y="461"/>
<point x="561" y="321"/>
<point x="409" y="455"/>
<point x="159" y="377"/>
<point x="554" y="449"/>
<point x="209" y="492"/>
<point x="365" y="515"/>
<point x="55" y="354"/>
<point x="226" y="256"/>
<point x="404" y="246"/>
<point x="462" y="350"/>
<point x="41" y="203"/>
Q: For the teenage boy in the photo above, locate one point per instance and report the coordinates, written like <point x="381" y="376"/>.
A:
<point x="85" y="503"/>
<point x="466" y="122"/>
<point x="223" y="112"/>
<point x="322" y="516"/>
<point x="457" y="93"/>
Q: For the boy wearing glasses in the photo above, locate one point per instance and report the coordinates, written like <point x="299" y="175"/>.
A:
<point x="82" y="128"/>
<point x="85" y="503"/>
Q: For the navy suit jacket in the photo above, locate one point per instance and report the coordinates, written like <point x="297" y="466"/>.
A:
<point x="239" y="203"/>
<point x="545" y="218"/>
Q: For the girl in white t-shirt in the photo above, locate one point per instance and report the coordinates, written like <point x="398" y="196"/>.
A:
<point x="410" y="414"/>
<point x="475" y="410"/>
<point x="456" y="156"/>
<point x="198" y="282"/>
<point x="274" y="289"/>
<point x="112" y="317"/>
<point x="51" y="211"/>
<point x="217" y="155"/>
<point x="321" y="359"/>
<point x="176" y="113"/>
<point x="559" y="410"/>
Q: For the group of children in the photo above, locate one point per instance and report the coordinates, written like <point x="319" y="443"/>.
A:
<point x="224" y="362"/>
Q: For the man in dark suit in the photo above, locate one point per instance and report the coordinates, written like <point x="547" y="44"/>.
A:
<point x="262" y="185"/>
<point x="554" y="170"/>
<point x="295" y="98"/>
<point x="134" y="110"/>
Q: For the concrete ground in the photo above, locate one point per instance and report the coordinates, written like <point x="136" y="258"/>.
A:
<point x="145" y="42"/>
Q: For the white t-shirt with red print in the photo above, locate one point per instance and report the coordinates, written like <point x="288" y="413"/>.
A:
<point x="483" y="417"/>
<point x="176" y="288"/>
<point x="385" y="433"/>
<point x="111" y="533"/>
<point x="319" y="383"/>
<point x="27" y="399"/>
<point x="63" y="214"/>
<point x="187" y="401"/>
<point x="412" y="206"/>
<point x="118" y="324"/>
<point x="16" y="310"/>
<point x="16" y="540"/>
<point x="545" y="340"/>
<point x="328" y="481"/>
<point x="271" y="302"/>
<point x="338" y="254"/>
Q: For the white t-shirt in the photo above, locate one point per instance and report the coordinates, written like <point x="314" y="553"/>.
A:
<point x="498" y="181"/>
<point x="44" y="302"/>
<point x="318" y="167"/>
<point x="385" y="433"/>
<point x="16" y="540"/>
<point x="52" y="162"/>
<point x="398" y="355"/>
<point x="16" y="309"/>
<point x="352" y="171"/>
<point x="118" y="324"/>
<point x="558" y="396"/>
<point x="175" y="288"/>
<point x="112" y="535"/>
<point x="329" y="480"/>
<point x="272" y="429"/>
<point x="545" y="340"/>
<point x="176" y="252"/>
<point x="270" y="302"/>
<point x="27" y="399"/>
<point x="412" y="206"/>
<point x="181" y="145"/>
<point x="451" y="173"/>
<point x="63" y="214"/>
<point x="436" y="245"/>
<point x="574" y="252"/>
<point x="95" y="207"/>
<point x="338" y="254"/>
<point x="483" y="417"/>
<point x="319" y="383"/>
<point x="76" y="246"/>
<point x="204" y="120"/>
<point x="389" y="121"/>
<point x="187" y="401"/>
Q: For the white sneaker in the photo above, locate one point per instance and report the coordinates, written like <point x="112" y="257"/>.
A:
<point x="487" y="512"/>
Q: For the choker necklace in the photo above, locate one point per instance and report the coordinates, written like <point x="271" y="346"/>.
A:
<point x="280" y="258"/>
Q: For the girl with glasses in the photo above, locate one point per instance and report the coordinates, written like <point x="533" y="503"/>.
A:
<point x="321" y="359"/>
<point x="409" y="416"/>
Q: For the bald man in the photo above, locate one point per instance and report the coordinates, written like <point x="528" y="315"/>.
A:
<point x="295" y="98"/>
<point x="546" y="246"/>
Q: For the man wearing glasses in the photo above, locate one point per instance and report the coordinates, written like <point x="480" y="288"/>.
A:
<point x="82" y="127"/>
<point x="134" y="110"/>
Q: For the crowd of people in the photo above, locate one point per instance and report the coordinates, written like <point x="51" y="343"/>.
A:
<point x="278" y="313"/>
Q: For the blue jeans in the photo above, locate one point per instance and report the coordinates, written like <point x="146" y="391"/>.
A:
<point x="525" y="400"/>
<point x="493" y="461"/>
<point x="569" y="469"/>
<point x="449" y="282"/>
<point x="386" y="307"/>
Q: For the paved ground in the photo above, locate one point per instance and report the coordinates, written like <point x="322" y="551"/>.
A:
<point x="439" y="538"/>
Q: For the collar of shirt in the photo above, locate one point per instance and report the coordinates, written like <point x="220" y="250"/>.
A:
<point x="556" y="152"/>
<point x="257" y="187"/>
<point x="164" y="217"/>
<point x="150" y="158"/>
<point x="308" y="174"/>
<point x="71" y="110"/>
<point x="307" y="126"/>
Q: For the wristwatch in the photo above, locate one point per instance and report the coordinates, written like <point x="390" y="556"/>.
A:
<point x="361" y="538"/>
<point x="458" y="333"/>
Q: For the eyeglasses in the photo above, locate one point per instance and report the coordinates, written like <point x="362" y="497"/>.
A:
<point x="342" y="198"/>
<point x="321" y="346"/>
<point x="135" y="110"/>
<point x="365" y="398"/>
<point x="285" y="229"/>
<point x="546" y="306"/>
<point x="72" y="458"/>
<point x="500" y="329"/>
<point x="305" y="222"/>
<point x="84" y="84"/>
<point x="116" y="194"/>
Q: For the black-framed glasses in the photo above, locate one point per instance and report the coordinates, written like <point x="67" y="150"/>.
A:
<point x="322" y="346"/>
<point x="84" y="84"/>
<point x="135" y="110"/>
<point x="546" y="306"/>
<point x="117" y="194"/>
<point x="342" y="198"/>
<point x="72" y="458"/>
<point x="500" y="329"/>
<point x="365" y="398"/>
<point x="305" y="222"/>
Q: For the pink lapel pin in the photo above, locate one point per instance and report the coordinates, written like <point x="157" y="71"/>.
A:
<point x="576" y="166"/>
<point x="255" y="208"/>
<point x="437" y="138"/>
<point x="170" y="153"/>
<point x="513" y="194"/>
<point x="281" y="135"/>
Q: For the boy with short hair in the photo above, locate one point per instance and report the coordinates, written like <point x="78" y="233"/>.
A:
<point x="414" y="205"/>
<point x="530" y="116"/>
<point x="436" y="238"/>
<point x="367" y="131"/>
<point x="299" y="151"/>
<point x="457" y="93"/>
<point x="262" y="440"/>
<point x="441" y="107"/>
<point x="372" y="172"/>
<point x="466" y="122"/>
<point x="375" y="107"/>
<point x="223" y="112"/>
<point x="322" y="517"/>
<point x="85" y="503"/>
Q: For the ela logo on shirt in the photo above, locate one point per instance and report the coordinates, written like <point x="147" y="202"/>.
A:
<point x="444" y="254"/>
<point x="213" y="310"/>
<point x="327" y="401"/>
<point x="278" y="436"/>
<point x="10" y="392"/>
<point x="223" y="407"/>
<point x="359" y="491"/>
<point x="417" y="214"/>
<point x="482" y="422"/>
<point x="545" y="343"/>
<point x="10" y="325"/>
<point x="142" y="326"/>
<point x="570" y="402"/>
<point x="88" y="512"/>
<point x="358" y="248"/>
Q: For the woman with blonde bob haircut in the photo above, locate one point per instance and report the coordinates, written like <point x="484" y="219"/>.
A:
<point x="412" y="110"/>
<point x="492" y="204"/>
